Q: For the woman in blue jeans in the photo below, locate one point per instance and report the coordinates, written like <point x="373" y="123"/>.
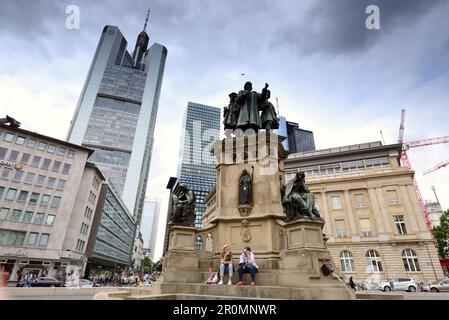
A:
<point x="247" y="264"/>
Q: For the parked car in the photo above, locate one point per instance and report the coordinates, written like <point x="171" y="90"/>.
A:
<point x="437" y="286"/>
<point x="399" y="284"/>
<point x="81" y="283"/>
<point x="45" y="282"/>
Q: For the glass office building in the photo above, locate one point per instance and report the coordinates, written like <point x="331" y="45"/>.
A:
<point x="201" y="128"/>
<point x="299" y="140"/>
<point x="120" y="99"/>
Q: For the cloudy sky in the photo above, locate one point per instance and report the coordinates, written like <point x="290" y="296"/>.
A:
<point x="330" y="73"/>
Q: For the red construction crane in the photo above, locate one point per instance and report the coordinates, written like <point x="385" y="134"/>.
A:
<point x="438" y="166"/>
<point x="406" y="161"/>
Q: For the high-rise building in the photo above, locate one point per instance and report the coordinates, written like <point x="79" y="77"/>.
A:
<point x="282" y="131"/>
<point x="375" y="226"/>
<point x="149" y="224"/>
<point x="299" y="140"/>
<point x="116" y="112"/>
<point x="201" y="128"/>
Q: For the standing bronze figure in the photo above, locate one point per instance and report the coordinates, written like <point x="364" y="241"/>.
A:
<point x="249" y="102"/>
<point x="268" y="118"/>
<point x="245" y="189"/>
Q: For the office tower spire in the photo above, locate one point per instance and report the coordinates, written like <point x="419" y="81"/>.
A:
<point x="141" y="44"/>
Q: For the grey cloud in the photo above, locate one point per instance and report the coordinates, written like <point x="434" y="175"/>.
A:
<point x="338" y="27"/>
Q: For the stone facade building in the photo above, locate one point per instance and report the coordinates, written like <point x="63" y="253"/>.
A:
<point x="374" y="222"/>
<point x="48" y="194"/>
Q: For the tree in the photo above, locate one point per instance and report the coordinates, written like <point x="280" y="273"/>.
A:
<point x="441" y="234"/>
<point x="147" y="265"/>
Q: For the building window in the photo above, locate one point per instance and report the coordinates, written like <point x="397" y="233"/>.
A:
<point x="36" y="161"/>
<point x="360" y="200"/>
<point x="18" y="175"/>
<point x="340" y="227"/>
<point x="80" y="245"/>
<point x="41" y="146"/>
<point x="50" y="219"/>
<point x="13" y="155"/>
<point x="56" y="201"/>
<point x="61" y="151"/>
<point x="31" y="143"/>
<point x="16" y="215"/>
<point x="45" y="200"/>
<point x="61" y="184"/>
<point x="34" y="197"/>
<point x="347" y="261"/>
<point x="32" y="237"/>
<point x="392" y="197"/>
<point x="336" y="202"/>
<point x="373" y="261"/>
<point x="11" y="238"/>
<point x="39" y="219"/>
<point x="4" y="213"/>
<point x="46" y="164"/>
<point x="51" y="148"/>
<point x="11" y="194"/>
<point x="6" y="172"/>
<point x="51" y="182"/>
<point x="25" y="158"/>
<point x="56" y="166"/>
<point x="2" y="189"/>
<point x="40" y="180"/>
<point x="44" y="239"/>
<point x="410" y="260"/>
<point x="198" y="243"/>
<point x="8" y="137"/>
<point x="20" y="140"/>
<point x="23" y="196"/>
<point x="27" y="217"/>
<point x="71" y="154"/>
<point x="400" y="224"/>
<point x="365" y="227"/>
<point x="66" y="168"/>
<point x="3" y="153"/>
<point x="29" y="178"/>
<point x="353" y="166"/>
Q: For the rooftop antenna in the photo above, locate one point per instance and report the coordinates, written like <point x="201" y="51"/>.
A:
<point x="383" y="140"/>
<point x="277" y="104"/>
<point x="146" y="20"/>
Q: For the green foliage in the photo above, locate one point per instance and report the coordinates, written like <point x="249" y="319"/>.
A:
<point x="441" y="235"/>
<point x="149" y="266"/>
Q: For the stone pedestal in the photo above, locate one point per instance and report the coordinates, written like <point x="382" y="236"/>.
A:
<point x="304" y="253"/>
<point x="180" y="262"/>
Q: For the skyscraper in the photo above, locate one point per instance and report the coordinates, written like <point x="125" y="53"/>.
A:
<point x="116" y="112"/>
<point x="299" y="140"/>
<point x="201" y="128"/>
<point x="149" y="224"/>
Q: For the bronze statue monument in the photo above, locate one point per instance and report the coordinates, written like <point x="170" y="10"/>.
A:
<point x="243" y="111"/>
<point x="183" y="212"/>
<point x="298" y="202"/>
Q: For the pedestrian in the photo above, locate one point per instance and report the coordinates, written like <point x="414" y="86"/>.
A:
<point x="352" y="283"/>
<point x="226" y="263"/>
<point x="247" y="264"/>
